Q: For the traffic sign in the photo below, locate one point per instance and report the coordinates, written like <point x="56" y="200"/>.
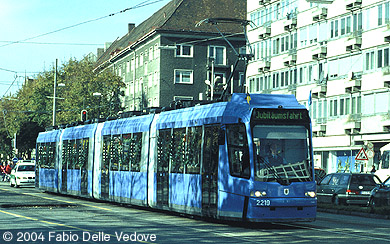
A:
<point x="15" y="160"/>
<point x="361" y="155"/>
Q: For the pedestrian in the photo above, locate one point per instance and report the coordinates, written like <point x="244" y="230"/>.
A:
<point x="373" y="170"/>
<point x="2" y="171"/>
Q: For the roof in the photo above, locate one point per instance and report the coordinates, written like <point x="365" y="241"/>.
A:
<point x="181" y="16"/>
<point x="234" y="111"/>
<point x="49" y="136"/>
<point x="79" y="132"/>
<point x="127" y="125"/>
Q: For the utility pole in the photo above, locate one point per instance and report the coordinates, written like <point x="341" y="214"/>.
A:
<point x="54" y="94"/>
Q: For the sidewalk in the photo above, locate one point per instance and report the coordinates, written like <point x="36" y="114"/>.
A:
<point x="353" y="213"/>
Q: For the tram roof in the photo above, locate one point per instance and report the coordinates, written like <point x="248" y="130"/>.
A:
<point x="49" y="136"/>
<point x="79" y="132"/>
<point x="225" y="112"/>
<point x="127" y="125"/>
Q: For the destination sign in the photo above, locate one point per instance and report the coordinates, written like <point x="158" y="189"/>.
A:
<point x="280" y="115"/>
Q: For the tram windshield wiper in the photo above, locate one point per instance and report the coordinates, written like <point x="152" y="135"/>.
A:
<point x="271" y="169"/>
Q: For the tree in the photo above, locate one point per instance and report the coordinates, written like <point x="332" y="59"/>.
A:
<point x="31" y="109"/>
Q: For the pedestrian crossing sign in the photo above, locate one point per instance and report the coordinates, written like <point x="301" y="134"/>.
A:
<point x="362" y="155"/>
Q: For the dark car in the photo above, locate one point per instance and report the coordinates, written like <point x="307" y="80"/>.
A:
<point x="380" y="195"/>
<point x="347" y="188"/>
<point x="319" y="174"/>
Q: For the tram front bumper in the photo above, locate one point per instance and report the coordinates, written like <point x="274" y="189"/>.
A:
<point x="282" y="209"/>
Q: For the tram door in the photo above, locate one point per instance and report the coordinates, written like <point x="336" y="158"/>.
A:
<point x="83" y="161"/>
<point x="105" y="165"/>
<point x="164" y="144"/>
<point x="210" y="171"/>
<point x="64" y="171"/>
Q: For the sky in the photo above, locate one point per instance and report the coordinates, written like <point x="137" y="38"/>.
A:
<point x="26" y="49"/>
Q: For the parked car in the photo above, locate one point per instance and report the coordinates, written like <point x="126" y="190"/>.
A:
<point x="319" y="174"/>
<point x="23" y="174"/>
<point x="380" y="195"/>
<point x="347" y="188"/>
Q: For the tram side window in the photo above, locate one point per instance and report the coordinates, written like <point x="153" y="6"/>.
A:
<point x="106" y="153"/>
<point x="46" y="155"/>
<point x="178" y="150"/>
<point x="126" y="154"/>
<point x="82" y="159"/>
<point x="136" y="150"/>
<point x="115" y="150"/>
<point x="67" y="152"/>
<point x="194" y="150"/>
<point x="41" y="156"/>
<point x="238" y="150"/>
<point x="51" y="155"/>
<point x="73" y="154"/>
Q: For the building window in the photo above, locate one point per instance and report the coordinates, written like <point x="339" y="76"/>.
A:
<point x="183" y="51"/>
<point x="218" y="53"/>
<point x="183" y="76"/>
<point x="369" y="60"/>
<point x="151" y="54"/>
<point x="132" y="65"/>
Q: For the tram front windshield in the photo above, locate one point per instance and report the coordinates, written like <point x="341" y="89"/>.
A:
<point x="282" y="153"/>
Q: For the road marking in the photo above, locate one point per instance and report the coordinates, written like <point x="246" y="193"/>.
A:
<point x="336" y="231"/>
<point x="59" y="200"/>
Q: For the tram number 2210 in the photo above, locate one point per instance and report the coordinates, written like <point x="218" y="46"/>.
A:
<point x="263" y="202"/>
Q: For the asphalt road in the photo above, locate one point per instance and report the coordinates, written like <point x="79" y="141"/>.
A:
<point x="31" y="216"/>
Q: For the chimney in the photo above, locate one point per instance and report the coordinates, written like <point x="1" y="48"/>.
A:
<point x="131" y="26"/>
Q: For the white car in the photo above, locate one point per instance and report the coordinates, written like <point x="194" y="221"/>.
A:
<point x="23" y="174"/>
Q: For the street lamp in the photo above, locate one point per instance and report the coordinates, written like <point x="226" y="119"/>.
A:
<point x="54" y="94"/>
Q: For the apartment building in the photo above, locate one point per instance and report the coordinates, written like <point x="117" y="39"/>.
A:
<point x="169" y="56"/>
<point x="336" y="53"/>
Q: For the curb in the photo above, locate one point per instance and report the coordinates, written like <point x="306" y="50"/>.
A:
<point x="359" y="214"/>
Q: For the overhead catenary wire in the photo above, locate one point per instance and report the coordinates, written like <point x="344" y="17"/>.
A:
<point x="142" y="4"/>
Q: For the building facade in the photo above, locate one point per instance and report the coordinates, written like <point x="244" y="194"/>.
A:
<point x="169" y="57"/>
<point x="336" y="53"/>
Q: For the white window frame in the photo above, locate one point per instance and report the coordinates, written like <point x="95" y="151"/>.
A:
<point x="182" y="71"/>
<point x="213" y="55"/>
<point x="179" y="51"/>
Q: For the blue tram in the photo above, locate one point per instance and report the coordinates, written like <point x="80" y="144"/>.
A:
<point x="247" y="160"/>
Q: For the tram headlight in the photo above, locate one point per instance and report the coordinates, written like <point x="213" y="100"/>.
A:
<point x="310" y="194"/>
<point x="258" y="194"/>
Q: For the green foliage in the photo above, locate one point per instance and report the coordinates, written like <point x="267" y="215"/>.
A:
<point x="31" y="109"/>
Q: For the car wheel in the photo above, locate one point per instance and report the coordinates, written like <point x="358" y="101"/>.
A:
<point x="336" y="200"/>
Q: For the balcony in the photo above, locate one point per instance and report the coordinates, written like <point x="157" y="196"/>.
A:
<point x="352" y="5"/>
<point x="264" y="32"/>
<point x="319" y="130"/>
<point x="353" y="83"/>
<point x="264" y="66"/>
<point x="319" y="91"/>
<point x="320" y="14"/>
<point x="290" y="60"/>
<point x="319" y="52"/>
<point x="352" y="127"/>
<point x="354" y="43"/>
<point x="290" y="24"/>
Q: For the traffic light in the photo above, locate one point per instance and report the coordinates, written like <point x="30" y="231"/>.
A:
<point x="84" y="115"/>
